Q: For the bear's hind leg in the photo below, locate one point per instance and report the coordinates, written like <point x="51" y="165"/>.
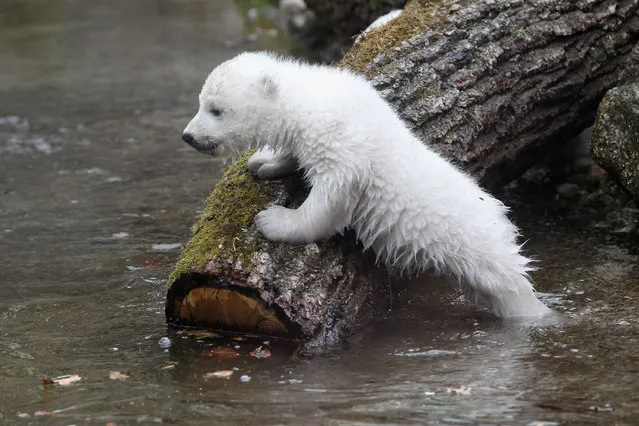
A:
<point x="504" y="288"/>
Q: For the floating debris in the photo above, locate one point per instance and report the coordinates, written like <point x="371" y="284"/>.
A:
<point x="117" y="375"/>
<point x="605" y="408"/>
<point x="222" y="374"/>
<point x="462" y="390"/>
<point x="245" y="378"/>
<point x="67" y="380"/>
<point x="260" y="353"/>
<point x="171" y="366"/>
<point x="61" y="380"/>
<point x="164" y="342"/>
<point x="166" y="247"/>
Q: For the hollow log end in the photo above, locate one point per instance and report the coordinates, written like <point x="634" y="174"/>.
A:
<point x="221" y="302"/>
<point x="206" y="287"/>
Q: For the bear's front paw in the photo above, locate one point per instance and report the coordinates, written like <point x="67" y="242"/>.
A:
<point x="265" y="164"/>
<point x="258" y="159"/>
<point x="272" y="223"/>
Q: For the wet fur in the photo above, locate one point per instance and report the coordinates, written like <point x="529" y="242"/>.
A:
<point x="367" y="171"/>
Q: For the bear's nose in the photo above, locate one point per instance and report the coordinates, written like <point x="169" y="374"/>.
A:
<point x="188" y="138"/>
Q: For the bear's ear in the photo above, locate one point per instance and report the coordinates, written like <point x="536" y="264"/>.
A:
<point x="268" y="86"/>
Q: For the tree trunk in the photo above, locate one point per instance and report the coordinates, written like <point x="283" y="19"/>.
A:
<point x="490" y="84"/>
<point x="493" y="84"/>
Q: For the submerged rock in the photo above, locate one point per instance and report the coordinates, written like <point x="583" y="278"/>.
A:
<point x="615" y="137"/>
<point x="568" y="190"/>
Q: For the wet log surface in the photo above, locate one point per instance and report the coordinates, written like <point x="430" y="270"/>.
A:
<point x="490" y="84"/>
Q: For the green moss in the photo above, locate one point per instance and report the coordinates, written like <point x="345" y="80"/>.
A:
<point x="417" y="15"/>
<point x="223" y="230"/>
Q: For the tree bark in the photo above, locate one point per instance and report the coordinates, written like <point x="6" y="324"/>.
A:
<point x="490" y="84"/>
<point x="493" y="85"/>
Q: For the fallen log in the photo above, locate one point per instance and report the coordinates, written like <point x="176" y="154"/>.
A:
<point x="493" y="85"/>
<point x="230" y="278"/>
<point x="490" y="84"/>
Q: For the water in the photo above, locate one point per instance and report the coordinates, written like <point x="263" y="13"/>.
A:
<point x="97" y="192"/>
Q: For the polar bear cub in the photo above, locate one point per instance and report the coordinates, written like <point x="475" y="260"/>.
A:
<point x="367" y="171"/>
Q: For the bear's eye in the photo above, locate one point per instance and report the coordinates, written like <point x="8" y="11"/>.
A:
<point x="216" y="112"/>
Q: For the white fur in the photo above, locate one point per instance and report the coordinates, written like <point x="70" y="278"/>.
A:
<point x="367" y="171"/>
<point x="379" y="22"/>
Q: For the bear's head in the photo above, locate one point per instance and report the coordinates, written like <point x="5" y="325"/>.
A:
<point x="237" y="106"/>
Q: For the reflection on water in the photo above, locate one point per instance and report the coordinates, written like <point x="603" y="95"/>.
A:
<point x="97" y="193"/>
